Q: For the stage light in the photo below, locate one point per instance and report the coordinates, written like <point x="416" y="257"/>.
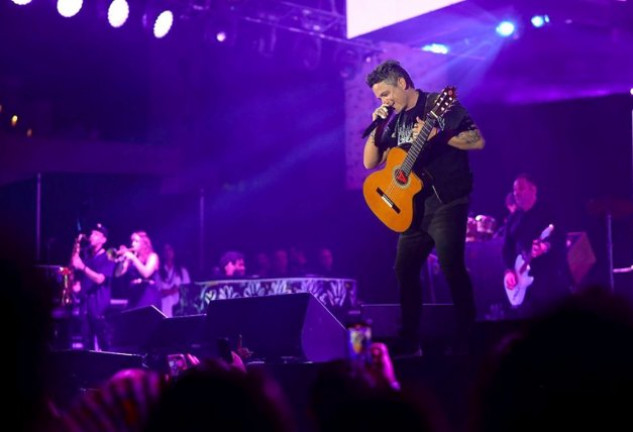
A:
<point x="163" y="24"/>
<point x="160" y="23"/>
<point x="69" y="8"/>
<point x="436" y="48"/>
<point x="21" y="2"/>
<point x="221" y="27"/>
<point x="631" y="91"/>
<point x="505" y="28"/>
<point x="539" y="20"/>
<point x="118" y="12"/>
<point x="159" y="16"/>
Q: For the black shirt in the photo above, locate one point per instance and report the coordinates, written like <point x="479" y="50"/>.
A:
<point x="523" y="227"/>
<point x="445" y="166"/>
<point x="96" y="297"/>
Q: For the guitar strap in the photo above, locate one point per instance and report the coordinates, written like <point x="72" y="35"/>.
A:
<point x="425" y="176"/>
<point x="430" y="98"/>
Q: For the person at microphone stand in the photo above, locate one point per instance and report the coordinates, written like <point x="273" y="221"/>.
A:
<point x="440" y="209"/>
<point x="93" y="273"/>
<point x="139" y="265"/>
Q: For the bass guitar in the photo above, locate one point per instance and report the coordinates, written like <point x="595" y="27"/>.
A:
<point x="389" y="192"/>
<point x="516" y="294"/>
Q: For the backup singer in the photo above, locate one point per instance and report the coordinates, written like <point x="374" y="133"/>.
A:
<point x="139" y="266"/>
<point x="172" y="276"/>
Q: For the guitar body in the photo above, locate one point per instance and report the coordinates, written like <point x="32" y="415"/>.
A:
<point x="516" y="295"/>
<point x="389" y="192"/>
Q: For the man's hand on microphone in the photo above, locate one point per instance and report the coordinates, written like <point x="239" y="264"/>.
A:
<point x="382" y="111"/>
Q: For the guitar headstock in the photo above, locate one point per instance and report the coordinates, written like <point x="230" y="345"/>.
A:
<point x="546" y="232"/>
<point x="444" y="101"/>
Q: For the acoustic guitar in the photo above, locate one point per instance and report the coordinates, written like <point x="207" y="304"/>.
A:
<point x="389" y="192"/>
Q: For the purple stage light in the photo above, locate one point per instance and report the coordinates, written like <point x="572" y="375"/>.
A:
<point x="505" y="28"/>
<point x="539" y="20"/>
<point x="118" y="12"/>
<point x="21" y="2"/>
<point x="69" y="8"/>
<point x="436" y="48"/>
<point x="220" y="36"/>
<point x="163" y="24"/>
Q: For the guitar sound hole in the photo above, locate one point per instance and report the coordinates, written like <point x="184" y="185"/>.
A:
<point x="401" y="177"/>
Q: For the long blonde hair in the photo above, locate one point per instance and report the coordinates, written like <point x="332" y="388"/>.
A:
<point x="145" y="249"/>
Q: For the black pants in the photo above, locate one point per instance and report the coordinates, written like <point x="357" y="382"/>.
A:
<point x="95" y="327"/>
<point x="94" y="324"/>
<point x="442" y="226"/>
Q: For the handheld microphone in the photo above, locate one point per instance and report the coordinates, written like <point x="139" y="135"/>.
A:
<point x="378" y="120"/>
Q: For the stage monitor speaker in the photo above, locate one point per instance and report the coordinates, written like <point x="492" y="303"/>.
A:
<point x="80" y="369"/>
<point x="179" y="335"/>
<point x="132" y="329"/>
<point x="437" y="322"/>
<point x="284" y="327"/>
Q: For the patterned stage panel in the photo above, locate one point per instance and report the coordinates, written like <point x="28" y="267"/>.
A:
<point x="338" y="295"/>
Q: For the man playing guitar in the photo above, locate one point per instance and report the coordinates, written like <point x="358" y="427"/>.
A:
<point x="530" y="235"/>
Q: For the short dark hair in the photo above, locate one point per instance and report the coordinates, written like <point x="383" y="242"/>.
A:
<point x="230" y="257"/>
<point x="389" y="71"/>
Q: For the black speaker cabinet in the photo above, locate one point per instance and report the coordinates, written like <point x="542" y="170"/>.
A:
<point x="73" y="370"/>
<point x="184" y="334"/>
<point x="132" y="329"/>
<point x="285" y="327"/>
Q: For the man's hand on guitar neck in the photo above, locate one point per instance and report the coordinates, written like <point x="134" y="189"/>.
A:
<point x="540" y="247"/>
<point x="510" y="279"/>
<point x="417" y="128"/>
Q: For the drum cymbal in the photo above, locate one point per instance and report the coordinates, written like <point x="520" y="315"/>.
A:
<point x="616" y="207"/>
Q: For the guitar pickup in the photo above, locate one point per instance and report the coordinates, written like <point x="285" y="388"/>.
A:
<point x="386" y="199"/>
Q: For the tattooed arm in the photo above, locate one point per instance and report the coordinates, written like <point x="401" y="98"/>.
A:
<point x="467" y="140"/>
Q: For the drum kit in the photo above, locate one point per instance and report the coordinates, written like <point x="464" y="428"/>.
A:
<point x="480" y="228"/>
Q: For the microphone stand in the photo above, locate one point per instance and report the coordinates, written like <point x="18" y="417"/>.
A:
<point x="609" y="218"/>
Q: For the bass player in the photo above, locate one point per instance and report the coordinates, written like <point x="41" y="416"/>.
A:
<point x="546" y="254"/>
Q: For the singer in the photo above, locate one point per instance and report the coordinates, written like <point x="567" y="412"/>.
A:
<point x="140" y="266"/>
<point x="440" y="209"/>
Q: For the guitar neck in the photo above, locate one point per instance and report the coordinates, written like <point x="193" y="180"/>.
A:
<point x="419" y="143"/>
